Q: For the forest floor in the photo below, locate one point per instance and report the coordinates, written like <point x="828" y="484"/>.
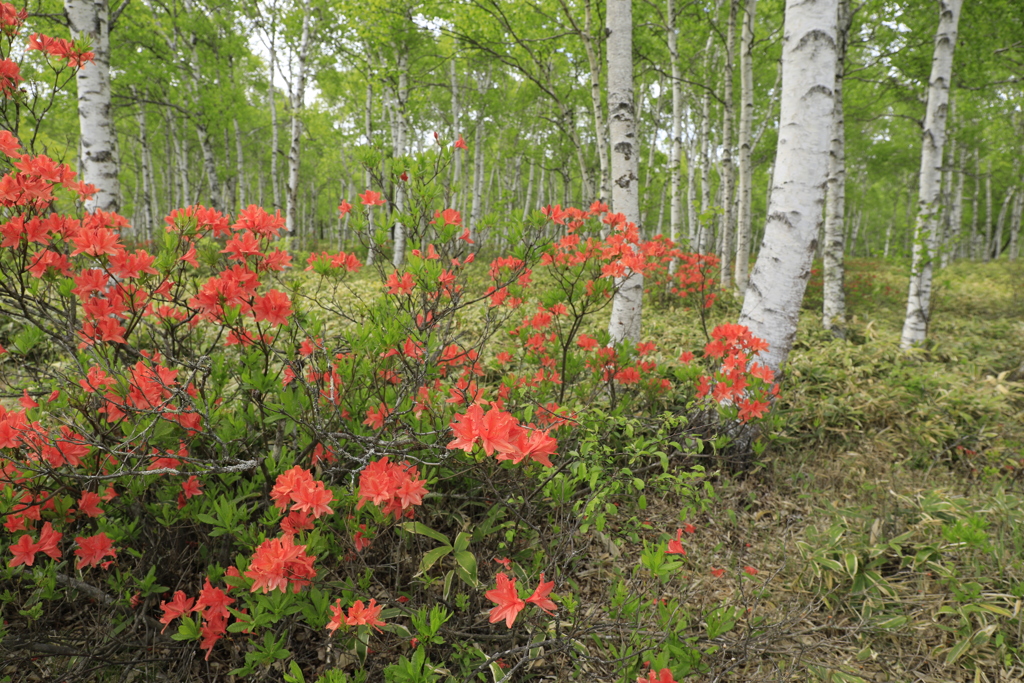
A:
<point x="886" y="520"/>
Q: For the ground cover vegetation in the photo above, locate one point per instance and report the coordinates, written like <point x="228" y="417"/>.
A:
<point x="231" y="450"/>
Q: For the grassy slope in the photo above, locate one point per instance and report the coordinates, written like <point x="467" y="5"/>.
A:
<point x="886" y="520"/>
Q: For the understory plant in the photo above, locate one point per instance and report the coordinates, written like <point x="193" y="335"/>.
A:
<point x="246" y="462"/>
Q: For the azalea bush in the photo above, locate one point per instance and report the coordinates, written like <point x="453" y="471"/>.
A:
<point x="233" y="453"/>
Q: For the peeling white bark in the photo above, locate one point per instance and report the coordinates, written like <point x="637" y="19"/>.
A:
<point x="274" y="134"/>
<point x="240" y="166"/>
<point x="702" y="242"/>
<point x="744" y="214"/>
<point x="456" y="134"/>
<point x="595" y="100"/>
<point x="90" y="19"/>
<point x="1014" y="250"/>
<point x="834" y="305"/>
<point x="627" y="303"/>
<point x="297" y="97"/>
<point x="771" y="306"/>
<point x="401" y="135"/>
<point x="997" y="242"/>
<point x="728" y="176"/>
<point x="149" y="208"/>
<point x="675" y="157"/>
<point x="926" y="228"/>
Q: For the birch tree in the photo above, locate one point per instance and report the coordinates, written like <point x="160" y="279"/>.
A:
<point x="771" y="306"/>
<point x="400" y="136"/>
<point x="90" y="19"/>
<point x="744" y="213"/>
<point x="728" y="176"/>
<point x="587" y="35"/>
<point x="926" y="228"/>
<point x="834" y="306"/>
<point x="675" y="156"/>
<point x="297" y="96"/>
<point x="625" y="151"/>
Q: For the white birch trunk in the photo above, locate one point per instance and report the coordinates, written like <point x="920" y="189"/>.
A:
<point x="193" y="82"/>
<point x="926" y="228"/>
<point x="148" y="190"/>
<point x="595" y="101"/>
<point x="274" y="139"/>
<point x="90" y="19"/>
<point x="456" y="134"/>
<point x="728" y="175"/>
<point x="771" y="307"/>
<point x="367" y="178"/>
<point x="1014" y="249"/>
<point x="986" y="247"/>
<point x="951" y="248"/>
<point x="298" y="99"/>
<point x="997" y="242"/>
<point x="956" y="218"/>
<point x="703" y="231"/>
<point x="648" y="183"/>
<point x="627" y="303"/>
<point x="529" y="191"/>
<point x="401" y="138"/>
<point x="240" y="167"/>
<point x="834" y="299"/>
<point x="675" y="157"/>
<point x="478" y="177"/>
<point x="692" y="225"/>
<point x="744" y="214"/>
<point x="181" y="163"/>
<point x="974" y="207"/>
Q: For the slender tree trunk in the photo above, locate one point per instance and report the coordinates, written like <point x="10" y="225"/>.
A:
<point x="401" y="142"/>
<point x="149" y="208"/>
<point x="148" y="191"/>
<point x="692" y="224"/>
<point x="367" y="178"/>
<point x="974" y="249"/>
<point x="986" y="249"/>
<point x="541" y="189"/>
<point x="703" y="231"/>
<point x="915" y="326"/>
<point x="529" y="191"/>
<point x="181" y="154"/>
<point x="675" y="156"/>
<point x="948" y="172"/>
<point x="648" y="184"/>
<point x="997" y="242"/>
<point x="661" y="208"/>
<point x="478" y="177"/>
<point x="597" y="105"/>
<point x="834" y="299"/>
<point x="90" y="20"/>
<point x="771" y="307"/>
<point x="856" y="233"/>
<point x="627" y="303"/>
<point x="240" y="162"/>
<point x="193" y="83"/>
<point x="728" y="175"/>
<point x="1018" y="206"/>
<point x="744" y="214"/>
<point x="908" y="220"/>
<point x="274" y="135"/>
<point x="298" y="100"/>
<point x="171" y="150"/>
<point x="956" y="214"/>
<point x="456" y="134"/>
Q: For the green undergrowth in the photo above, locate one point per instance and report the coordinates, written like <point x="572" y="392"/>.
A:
<point x="887" y="510"/>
